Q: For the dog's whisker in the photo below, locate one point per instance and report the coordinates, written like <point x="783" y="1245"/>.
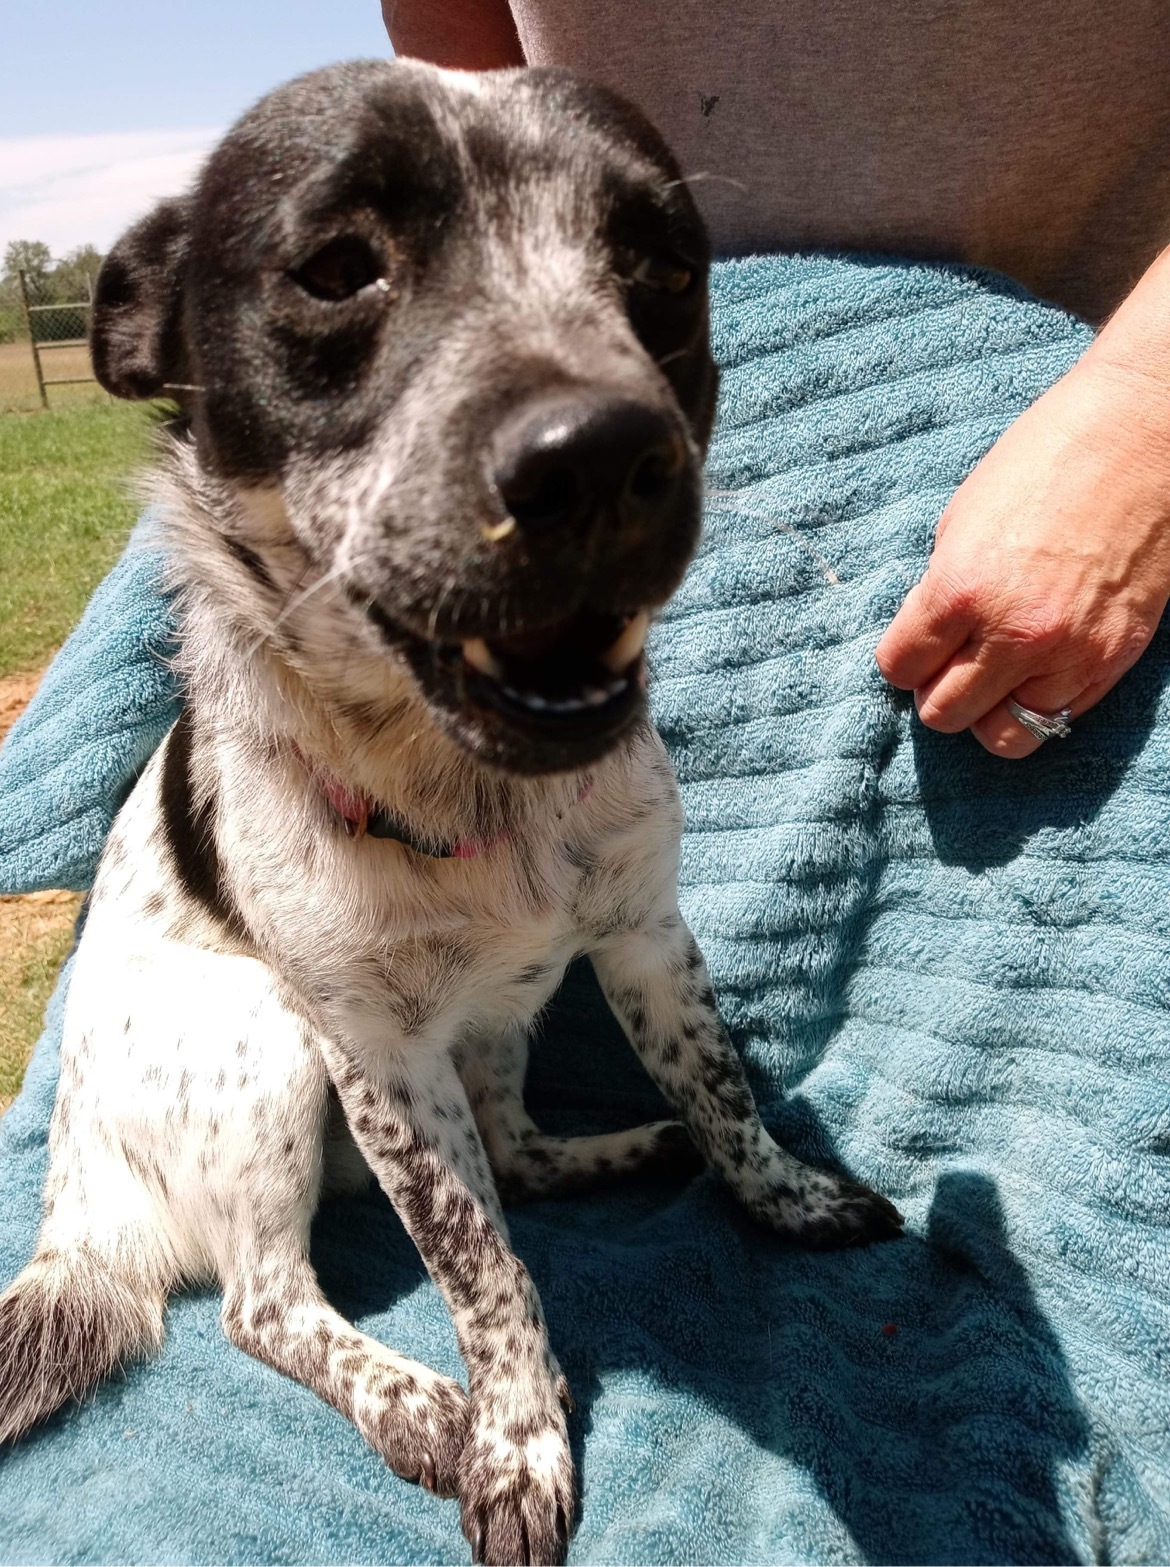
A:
<point x="709" y="174"/>
<point x="458" y="598"/>
<point x="290" y="607"/>
<point x="297" y="598"/>
<point x="446" y="593"/>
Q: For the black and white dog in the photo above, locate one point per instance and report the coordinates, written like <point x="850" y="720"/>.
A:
<point x="441" y="346"/>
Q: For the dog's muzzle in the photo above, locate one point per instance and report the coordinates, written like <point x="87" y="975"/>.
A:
<point x="592" y="517"/>
<point x="565" y="463"/>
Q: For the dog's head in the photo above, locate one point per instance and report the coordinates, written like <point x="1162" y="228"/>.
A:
<point x="458" y="326"/>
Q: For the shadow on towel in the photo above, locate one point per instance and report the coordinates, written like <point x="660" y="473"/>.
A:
<point x="1070" y="782"/>
<point x="905" y="1382"/>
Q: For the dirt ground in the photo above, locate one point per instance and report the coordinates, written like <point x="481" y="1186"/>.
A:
<point x="15" y="694"/>
<point x="18" y="379"/>
<point x="34" y="933"/>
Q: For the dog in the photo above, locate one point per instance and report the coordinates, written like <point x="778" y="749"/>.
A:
<point x="440" y="348"/>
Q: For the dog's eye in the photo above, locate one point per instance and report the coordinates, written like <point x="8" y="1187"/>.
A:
<point x="665" y="273"/>
<point x="340" y="269"/>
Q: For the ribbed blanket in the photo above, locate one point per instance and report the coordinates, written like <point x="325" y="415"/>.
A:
<point x="948" y="974"/>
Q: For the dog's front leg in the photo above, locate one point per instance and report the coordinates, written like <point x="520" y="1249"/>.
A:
<point x="410" y="1117"/>
<point x="656" y="981"/>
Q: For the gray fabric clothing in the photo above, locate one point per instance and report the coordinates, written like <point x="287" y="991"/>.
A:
<point x="1028" y="135"/>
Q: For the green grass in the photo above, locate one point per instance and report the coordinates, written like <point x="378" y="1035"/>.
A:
<point x="65" y="512"/>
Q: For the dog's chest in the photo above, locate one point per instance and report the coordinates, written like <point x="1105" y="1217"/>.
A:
<point x="456" y="944"/>
<point x="490" y="939"/>
<point x="373" y="929"/>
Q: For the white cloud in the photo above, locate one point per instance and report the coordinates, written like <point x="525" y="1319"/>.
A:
<point x="78" y="190"/>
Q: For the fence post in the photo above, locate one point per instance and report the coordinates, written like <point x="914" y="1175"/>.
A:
<point x="32" y="339"/>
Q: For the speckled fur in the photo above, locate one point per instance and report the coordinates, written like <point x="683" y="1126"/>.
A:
<point x="264" y="1007"/>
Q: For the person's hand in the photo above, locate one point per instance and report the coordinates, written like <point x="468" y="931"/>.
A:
<point x="1051" y="565"/>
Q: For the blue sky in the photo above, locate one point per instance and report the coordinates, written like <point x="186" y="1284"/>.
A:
<point x="106" y="107"/>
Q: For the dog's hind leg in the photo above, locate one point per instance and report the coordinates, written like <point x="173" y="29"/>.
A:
<point x="657" y="984"/>
<point x="529" y="1164"/>
<point x="413" y="1417"/>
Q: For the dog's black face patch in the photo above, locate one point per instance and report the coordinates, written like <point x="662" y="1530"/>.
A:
<point x="460" y="323"/>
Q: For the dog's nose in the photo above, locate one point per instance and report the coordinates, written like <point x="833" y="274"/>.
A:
<point x="563" y="462"/>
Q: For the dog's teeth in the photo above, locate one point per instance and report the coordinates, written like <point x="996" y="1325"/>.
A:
<point x="594" y="697"/>
<point x="622" y="653"/>
<point x="615" y="686"/>
<point x="537" y="703"/>
<point x="479" y="656"/>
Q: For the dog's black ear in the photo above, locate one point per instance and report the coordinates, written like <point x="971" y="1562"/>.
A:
<point x="136" y="329"/>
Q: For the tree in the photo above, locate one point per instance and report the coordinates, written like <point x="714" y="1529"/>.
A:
<point x="70" y="275"/>
<point x="33" y="257"/>
<point x="28" y="255"/>
<point x="66" y="282"/>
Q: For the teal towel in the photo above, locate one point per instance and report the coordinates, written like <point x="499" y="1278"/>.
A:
<point x="104" y="705"/>
<point x="947" y="973"/>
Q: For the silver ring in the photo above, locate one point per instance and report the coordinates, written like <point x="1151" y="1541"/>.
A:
<point x="1045" y="726"/>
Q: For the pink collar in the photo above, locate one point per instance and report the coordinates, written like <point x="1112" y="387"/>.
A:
<point x="361" y="818"/>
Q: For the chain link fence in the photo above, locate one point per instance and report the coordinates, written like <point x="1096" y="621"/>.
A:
<point x="46" y="358"/>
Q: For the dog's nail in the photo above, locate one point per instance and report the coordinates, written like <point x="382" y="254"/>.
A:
<point x="479" y="656"/>
<point x="622" y="653"/>
<point x="493" y="532"/>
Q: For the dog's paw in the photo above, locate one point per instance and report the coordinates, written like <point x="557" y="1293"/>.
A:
<point x="421" y="1432"/>
<point x="516" y="1491"/>
<point x="825" y="1212"/>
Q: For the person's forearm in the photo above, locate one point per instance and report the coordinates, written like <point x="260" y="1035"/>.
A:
<point x="1135" y="341"/>
<point x="465" y="35"/>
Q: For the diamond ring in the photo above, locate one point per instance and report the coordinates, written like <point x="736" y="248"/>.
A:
<point x="1045" y="726"/>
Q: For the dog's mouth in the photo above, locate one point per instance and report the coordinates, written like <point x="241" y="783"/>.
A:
<point x="578" y="672"/>
<point x="544" y="700"/>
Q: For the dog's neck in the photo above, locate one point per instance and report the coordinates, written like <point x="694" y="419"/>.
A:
<point x="283" y="667"/>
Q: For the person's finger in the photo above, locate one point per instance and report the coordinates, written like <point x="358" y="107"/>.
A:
<point x="1049" y="693"/>
<point x="1001" y="732"/>
<point x="973" y="682"/>
<point x="931" y="626"/>
<point x="1043" y="693"/>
